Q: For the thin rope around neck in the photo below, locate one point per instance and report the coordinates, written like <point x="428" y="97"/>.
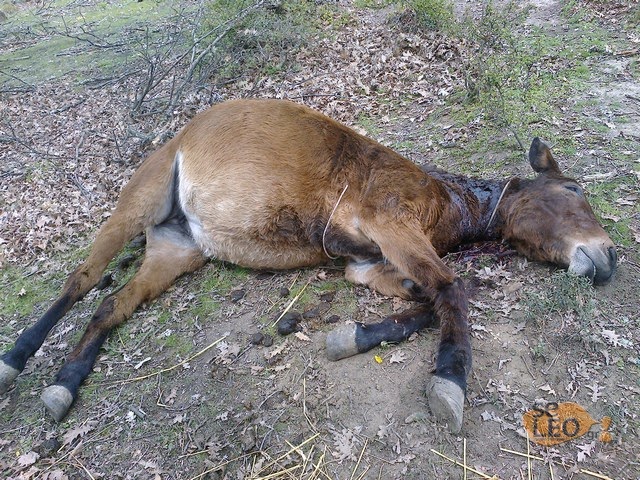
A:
<point x="495" y="209"/>
<point x="324" y="233"/>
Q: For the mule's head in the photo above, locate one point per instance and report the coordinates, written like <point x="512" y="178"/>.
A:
<point x="549" y="219"/>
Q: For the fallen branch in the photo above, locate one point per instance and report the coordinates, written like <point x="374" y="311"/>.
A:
<point x="168" y="369"/>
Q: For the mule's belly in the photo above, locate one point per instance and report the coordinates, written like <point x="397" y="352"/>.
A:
<point x="258" y="254"/>
<point x="262" y="231"/>
<point x="243" y="244"/>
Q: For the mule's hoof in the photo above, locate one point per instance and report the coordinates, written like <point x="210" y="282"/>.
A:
<point x="58" y="400"/>
<point x="341" y="342"/>
<point x="446" y="400"/>
<point x="7" y="375"/>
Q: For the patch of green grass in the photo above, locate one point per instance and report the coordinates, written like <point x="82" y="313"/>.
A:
<point x="306" y="297"/>
<point x="561" y="293"/>
<point x="221" y="278"/>
<point x="432" y="14"/>
<point x="374" y="4"/>
<point x="66" y="37"/>
<point x="205" y="307"/>
<point x="417" y="15"/>
<point x="218" y="281"/>
<point x="20" y="293"/>
<point x="261" y="40"/>
<point x="602" y="197"/>
<point x="519" y="82"/>
<point x="539" y="350"/>
<point x="370" y="125"/>
<point x="178" y="343"/>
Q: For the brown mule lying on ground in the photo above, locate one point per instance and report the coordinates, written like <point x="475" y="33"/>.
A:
<point x="270" y="184"/>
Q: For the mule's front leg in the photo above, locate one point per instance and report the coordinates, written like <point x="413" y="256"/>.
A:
<point x="447" y="388"/>
<point x="408" y="248"/>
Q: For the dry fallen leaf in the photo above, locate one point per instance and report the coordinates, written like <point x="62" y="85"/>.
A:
<point x="344" y="443"/>
<point x="56" y="474"/>
<point x="302" y="336"/>
<point x="77" y="432"/>
<point x="276" y="350"/>
<point x="611" y="336"/>
<point x="547" y="388"/>
<point x="28" y="458"/>
<point x="596" y="391"/>
<point x="585" y="450"/>
<point x="398" y="356"/>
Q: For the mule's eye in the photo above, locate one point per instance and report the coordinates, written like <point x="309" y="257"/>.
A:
<point x="575" y="189"/>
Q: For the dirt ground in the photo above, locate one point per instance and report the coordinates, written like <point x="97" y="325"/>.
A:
<point x="183" y="392"/>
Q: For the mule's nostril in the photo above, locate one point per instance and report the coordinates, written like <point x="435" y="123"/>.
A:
<point x="613" y="255"/>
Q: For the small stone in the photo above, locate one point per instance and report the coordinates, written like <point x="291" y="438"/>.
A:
<point x="256" y="338"/>
<point x="267" y="341"/>
<point x="316" y="311"/>
<point x="48" y="448"/>
<point x="284" y="292"/>
<point x="289" y="323"/>
<point x="327" y="297"/>
<point x="333" y="319"/>
<point x="237" y="295"/>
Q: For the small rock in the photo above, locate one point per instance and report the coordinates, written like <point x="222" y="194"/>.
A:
<point x="284" y="292"/>
<point x="289" y="323"/>
<point x="333" y="319"/>
<point x="237" y="295"/>
<point x="47" y="448"/>
<point x="267" y="341"/>
<point x="327" y="297"/>
<point x="316" y="311"/>
<point x="256" y="338"/>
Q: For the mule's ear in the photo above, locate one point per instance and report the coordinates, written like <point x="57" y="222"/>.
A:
<point x="541" y="159"/>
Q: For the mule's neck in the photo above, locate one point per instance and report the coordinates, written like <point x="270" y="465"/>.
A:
<point x="468" y="216"/>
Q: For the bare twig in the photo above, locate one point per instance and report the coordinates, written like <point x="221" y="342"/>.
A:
<point x="28" y="87"/>
<point x="155" y="76"/>
<point x="168" y="369"/>
<point x="97" y="42"/>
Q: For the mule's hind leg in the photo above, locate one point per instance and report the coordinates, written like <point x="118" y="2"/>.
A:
<point x="170" y="253"/>
<point x="109" y="241"/>
<point x="143" y="202"/>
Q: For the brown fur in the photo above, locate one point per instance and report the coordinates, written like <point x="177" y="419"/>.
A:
<point x="254" y="182"/>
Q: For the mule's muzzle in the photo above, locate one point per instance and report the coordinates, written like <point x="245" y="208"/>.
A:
<point x="599" y="264"/>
